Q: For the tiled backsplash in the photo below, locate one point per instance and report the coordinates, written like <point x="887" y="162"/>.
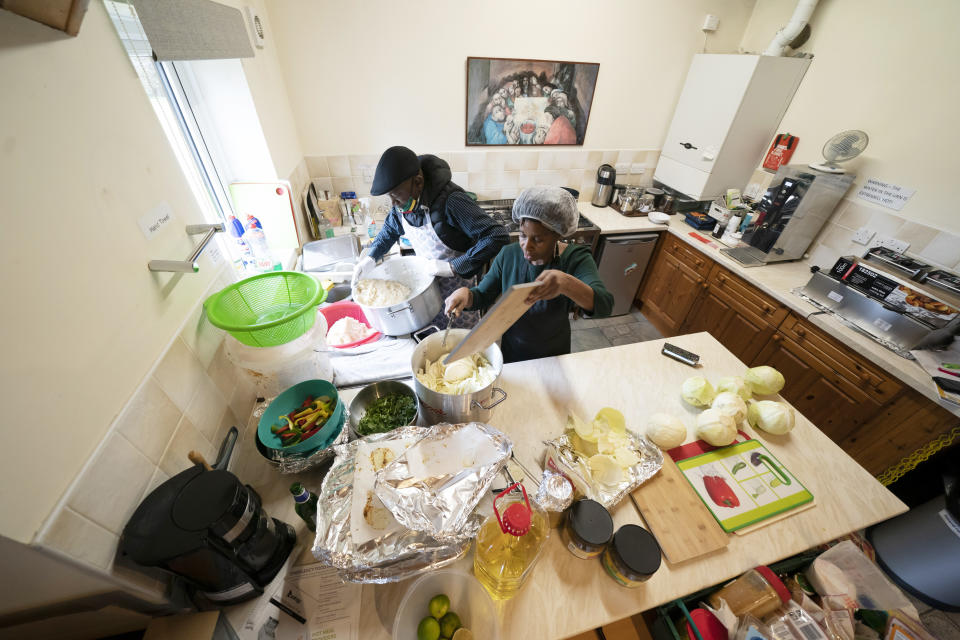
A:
<point x="835" y="239"/>
<point x="490" y="174"/>
<point x="187" y="402"/>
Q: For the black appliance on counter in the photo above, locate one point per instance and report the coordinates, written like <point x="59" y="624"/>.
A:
<point x="587" y="233"/>
<point x="210" y="529"/>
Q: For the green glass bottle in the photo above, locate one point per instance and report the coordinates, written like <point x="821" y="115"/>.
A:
<point x="306" y="506"/>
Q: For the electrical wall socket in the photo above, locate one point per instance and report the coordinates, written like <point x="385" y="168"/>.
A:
<point x="863" y="235"/>
<point x="711" y="22"/>
<point x="891" y="243"/>
<point x="622" y="168"/>
<point x="638" y="168"/>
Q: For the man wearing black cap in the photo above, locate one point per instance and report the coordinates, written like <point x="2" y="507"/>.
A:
<point x="438" y="218"/>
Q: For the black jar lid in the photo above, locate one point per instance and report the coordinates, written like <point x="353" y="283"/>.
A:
<point x="638" y="549"/>
<point x="591" y="522"/>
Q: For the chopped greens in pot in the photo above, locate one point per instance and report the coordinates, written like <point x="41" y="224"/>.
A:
<point x="387" y="413"/>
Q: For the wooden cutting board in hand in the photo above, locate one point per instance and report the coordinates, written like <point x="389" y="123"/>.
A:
<point x="497" y="320"/>
<point x="677" y="517"/>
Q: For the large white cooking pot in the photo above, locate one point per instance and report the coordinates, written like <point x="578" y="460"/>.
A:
<point x="416" y="311"/>
<point x="443" y="407"/>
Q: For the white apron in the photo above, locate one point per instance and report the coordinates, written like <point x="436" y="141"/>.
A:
<point x="427" y="244"/>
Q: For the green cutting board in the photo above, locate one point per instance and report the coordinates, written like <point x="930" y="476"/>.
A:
<point x="743" y="484"/>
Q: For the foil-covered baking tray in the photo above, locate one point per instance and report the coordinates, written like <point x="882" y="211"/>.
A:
<point x="393" y="557"/>
<point x="435" y="485"/>
<point x="563" y="458"/>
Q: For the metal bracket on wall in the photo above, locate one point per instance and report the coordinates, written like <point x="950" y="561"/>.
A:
<point x="190" y="264"/>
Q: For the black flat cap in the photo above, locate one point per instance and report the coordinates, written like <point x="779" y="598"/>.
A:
<point x="396" y="165"/>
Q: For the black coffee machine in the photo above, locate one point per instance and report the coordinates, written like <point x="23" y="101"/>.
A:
<point x="210" y="529"/>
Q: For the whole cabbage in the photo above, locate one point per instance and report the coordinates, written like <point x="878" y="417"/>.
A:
<point x="666" y="431"/>
<point x="770" y="416"/>
<point x="697" y="391"/>
<point x="731" y="404"/>
<point x="764" y="380"/>
<point x="716" y="428"/>
<point x="735" y="384"/>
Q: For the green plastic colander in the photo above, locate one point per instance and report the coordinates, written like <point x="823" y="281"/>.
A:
<point x="267" y="309"/>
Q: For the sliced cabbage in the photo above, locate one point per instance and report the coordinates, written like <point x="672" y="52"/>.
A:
<point x="605" y="469"/>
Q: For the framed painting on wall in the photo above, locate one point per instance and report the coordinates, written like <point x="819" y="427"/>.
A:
<point x="528" y="101"/>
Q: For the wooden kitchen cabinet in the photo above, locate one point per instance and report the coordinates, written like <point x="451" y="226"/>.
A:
<point x="673" y="285"/>
<point x="734" y="313"/>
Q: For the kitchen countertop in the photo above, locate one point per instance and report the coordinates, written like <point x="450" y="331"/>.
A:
<point x="565" y="595"/>
<point x="777" y="280"/>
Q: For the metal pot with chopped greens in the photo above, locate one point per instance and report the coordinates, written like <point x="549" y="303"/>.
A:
<point x="381" y="407"/>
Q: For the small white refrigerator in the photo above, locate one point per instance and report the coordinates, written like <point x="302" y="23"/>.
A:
<point x="622" y="262"/>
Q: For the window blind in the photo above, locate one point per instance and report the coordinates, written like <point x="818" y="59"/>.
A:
<point x="193" y="29"/>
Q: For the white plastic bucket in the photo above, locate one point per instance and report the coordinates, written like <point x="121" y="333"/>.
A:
<point x="275" y="369"/>
<point x="468" y="599"/>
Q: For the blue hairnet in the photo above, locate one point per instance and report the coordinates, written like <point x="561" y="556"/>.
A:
<point x="553" y="207"/>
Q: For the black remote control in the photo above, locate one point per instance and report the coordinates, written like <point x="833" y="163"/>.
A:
<point x="681" y="355"/>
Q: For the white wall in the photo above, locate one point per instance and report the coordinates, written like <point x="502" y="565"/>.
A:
<point x="363" y="76"/>
<point x="82" y="157"/>
<point x="889" y="68"/>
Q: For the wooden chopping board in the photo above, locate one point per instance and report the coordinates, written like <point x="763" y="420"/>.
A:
<point x="677" y="517"/>
<point x="497" y="320"/>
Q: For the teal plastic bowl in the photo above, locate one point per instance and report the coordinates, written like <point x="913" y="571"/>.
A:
<point x="291" y="399"/>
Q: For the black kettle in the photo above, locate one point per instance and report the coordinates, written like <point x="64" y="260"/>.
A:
<point x="210" y="529"/>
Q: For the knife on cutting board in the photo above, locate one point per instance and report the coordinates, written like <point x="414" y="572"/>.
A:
<point x="498" y="319"/>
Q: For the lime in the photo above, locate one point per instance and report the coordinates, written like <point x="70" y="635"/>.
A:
<point x="439" y="605"/>
<point x="428" y="629"/>
<point x="448" y="624"/>
<point x="463" y="634"/>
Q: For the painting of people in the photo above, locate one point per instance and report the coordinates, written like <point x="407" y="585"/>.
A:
<point x="528" y="101"/>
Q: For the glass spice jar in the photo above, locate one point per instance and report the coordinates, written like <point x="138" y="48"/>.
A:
<point x="758" y="592"/>
<point x="588" y="528"/>
<point x="632" y="556"/>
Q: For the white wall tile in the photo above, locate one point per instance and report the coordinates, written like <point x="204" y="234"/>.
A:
<point x="476" y="161"/>
<point x="339" y="166"/>
<point x="884" y="224"/>
<point x="477" y="180"/>
<point x="548" y="160"/>
<point x="342" y="184"/>
<point x="528" y="179"/>
<point x="317" y="166"/>
<point x="943" y="250"/>
<point x="575" y="178"/>
<point x="223" y="372"/>
<point x="461" y="178"/>
<point x="457" y="161"/>
<point x="609" y="157"/>
<point x="510" y="180"/>
<point x="323" y="184"/>
<point x="207" y="408"/>
<point x="202" y="337"/>
<point x="357" y="164"/>
<point x="496" y="161"/>
<point x="594" y="160"/>
<point x="186" y="439"/>
<point x="81" y="538"/>
<point x="627" y="155"/>
<point x="157" y="479"/>
<point x="521" y="160"/>
<point x="179" y="373"/>
<point x="243" y="398"/>
<point x="509" y="193"/>
<point x="918" y="235"/>
<point x="112" y="485"/>
<point x="149" y="420"/>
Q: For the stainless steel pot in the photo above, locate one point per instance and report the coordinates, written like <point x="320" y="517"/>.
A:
<point x="442" y="407"/>
<point x="419" y="309"/>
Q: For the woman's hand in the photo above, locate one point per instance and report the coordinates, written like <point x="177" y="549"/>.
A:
<point x="552" y="284"/>
<point x="457" y="301"/>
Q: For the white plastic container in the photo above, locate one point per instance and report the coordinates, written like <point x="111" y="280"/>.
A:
<point x="274" y="369"/>
<point x="468" y="599"/>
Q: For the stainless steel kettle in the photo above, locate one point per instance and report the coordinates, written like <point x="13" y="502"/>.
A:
<point x="606" y="181"/>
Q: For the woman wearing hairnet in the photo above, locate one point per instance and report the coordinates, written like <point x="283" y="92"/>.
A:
<point x="566" y="272"/>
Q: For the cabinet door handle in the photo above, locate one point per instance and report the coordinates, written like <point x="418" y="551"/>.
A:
<point x="704" y="286"/>
<point x="721" y="278"/>
<point x="777" y="337"/>
<point x="801" y="332"/>
<point x="687" y="145"/>
<point x="768" y="309"/>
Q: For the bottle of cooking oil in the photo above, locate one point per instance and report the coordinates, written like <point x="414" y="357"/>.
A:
<point x="509" y="543"/>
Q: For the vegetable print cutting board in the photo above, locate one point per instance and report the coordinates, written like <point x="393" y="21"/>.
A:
<point x="743" y="484"/>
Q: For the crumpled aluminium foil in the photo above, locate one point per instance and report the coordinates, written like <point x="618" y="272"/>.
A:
<point x="555" y="493"/>
<point x="393" y="557"/>
<point x="562" y="457"/>
<point x="436" y="484"/>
